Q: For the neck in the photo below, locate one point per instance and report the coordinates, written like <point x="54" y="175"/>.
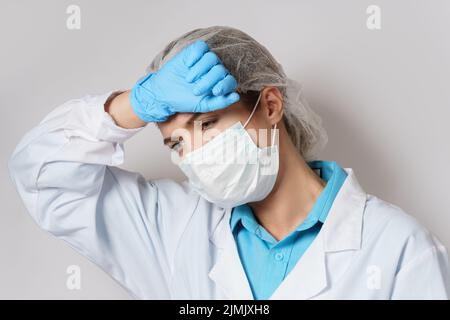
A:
<point x="296" y="190"/>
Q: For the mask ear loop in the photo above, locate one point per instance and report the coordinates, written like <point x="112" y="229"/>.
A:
<point x="274" y="134"/>
<point x="251" y="115"/>
<point x="253" y="111"/>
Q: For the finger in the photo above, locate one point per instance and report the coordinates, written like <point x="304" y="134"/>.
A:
<point x="193" y="52"/>
<point x="227" y="85"/>
<point x="202" y="66"/>
<point x="209" y="80"/>
<point x="212" y="103"/>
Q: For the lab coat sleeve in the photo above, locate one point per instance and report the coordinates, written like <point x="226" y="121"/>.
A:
<point x="426" y="276"/>
<point x="65" y="171"/>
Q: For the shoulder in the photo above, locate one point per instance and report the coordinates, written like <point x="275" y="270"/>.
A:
<point x="389" y="216"/>
<point x="176" y="196"/>
<point x="388" y="226"/>
<point x="189" y="213"/>
<point x="169" y="187"/>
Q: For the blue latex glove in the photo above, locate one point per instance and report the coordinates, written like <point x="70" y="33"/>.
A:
<point x="194" y="80"/>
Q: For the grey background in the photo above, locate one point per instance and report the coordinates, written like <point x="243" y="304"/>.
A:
<point x="383" y="96"/>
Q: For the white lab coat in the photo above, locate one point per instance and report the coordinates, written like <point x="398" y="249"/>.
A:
<point x="159" y="239"/>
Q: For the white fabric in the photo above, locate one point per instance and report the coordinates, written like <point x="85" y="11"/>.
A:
<point x="159" y="239"/>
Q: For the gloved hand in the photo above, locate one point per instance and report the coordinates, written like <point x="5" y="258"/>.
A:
<point x="194" y="80"/>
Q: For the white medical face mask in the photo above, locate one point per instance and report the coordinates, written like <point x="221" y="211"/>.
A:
<point x="231" y="169"/>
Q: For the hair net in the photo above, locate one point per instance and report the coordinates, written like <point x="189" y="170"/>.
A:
<point x="255" y="68"/>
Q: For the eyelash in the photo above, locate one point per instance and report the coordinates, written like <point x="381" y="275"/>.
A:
<point x="208" y="122"/>
<point x="205" y="126"/>
<point x="174" y="146"/>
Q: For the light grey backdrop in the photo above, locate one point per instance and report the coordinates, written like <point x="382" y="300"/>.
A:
<point x="383" y="94"/>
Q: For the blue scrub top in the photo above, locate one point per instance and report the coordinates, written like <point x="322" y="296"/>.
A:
<point x="267" y="261"/>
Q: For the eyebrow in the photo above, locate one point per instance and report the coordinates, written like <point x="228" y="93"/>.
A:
<point x="191" y="119"/>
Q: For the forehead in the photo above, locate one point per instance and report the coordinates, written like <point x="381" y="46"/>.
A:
<point x="185" y="120"/>
<point x="181" y="120"/>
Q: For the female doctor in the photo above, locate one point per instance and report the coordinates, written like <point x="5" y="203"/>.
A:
<point x="265" y="221"/>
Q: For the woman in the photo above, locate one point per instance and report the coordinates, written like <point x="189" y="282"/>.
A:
<point x="268" y="222"/>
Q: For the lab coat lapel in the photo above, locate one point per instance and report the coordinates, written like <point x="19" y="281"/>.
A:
<point x="340" y="232"/>
<point x="343" y="228"/>
<point x="228" y="272"/>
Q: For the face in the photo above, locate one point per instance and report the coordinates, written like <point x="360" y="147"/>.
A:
<point x="185" y="132"/>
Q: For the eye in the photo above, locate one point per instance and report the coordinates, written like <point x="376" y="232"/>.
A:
<point x="176" y="145"/>
<point x="206" y="124"/>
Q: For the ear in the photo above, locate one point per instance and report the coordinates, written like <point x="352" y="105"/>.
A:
<point x="272" y="99"/>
